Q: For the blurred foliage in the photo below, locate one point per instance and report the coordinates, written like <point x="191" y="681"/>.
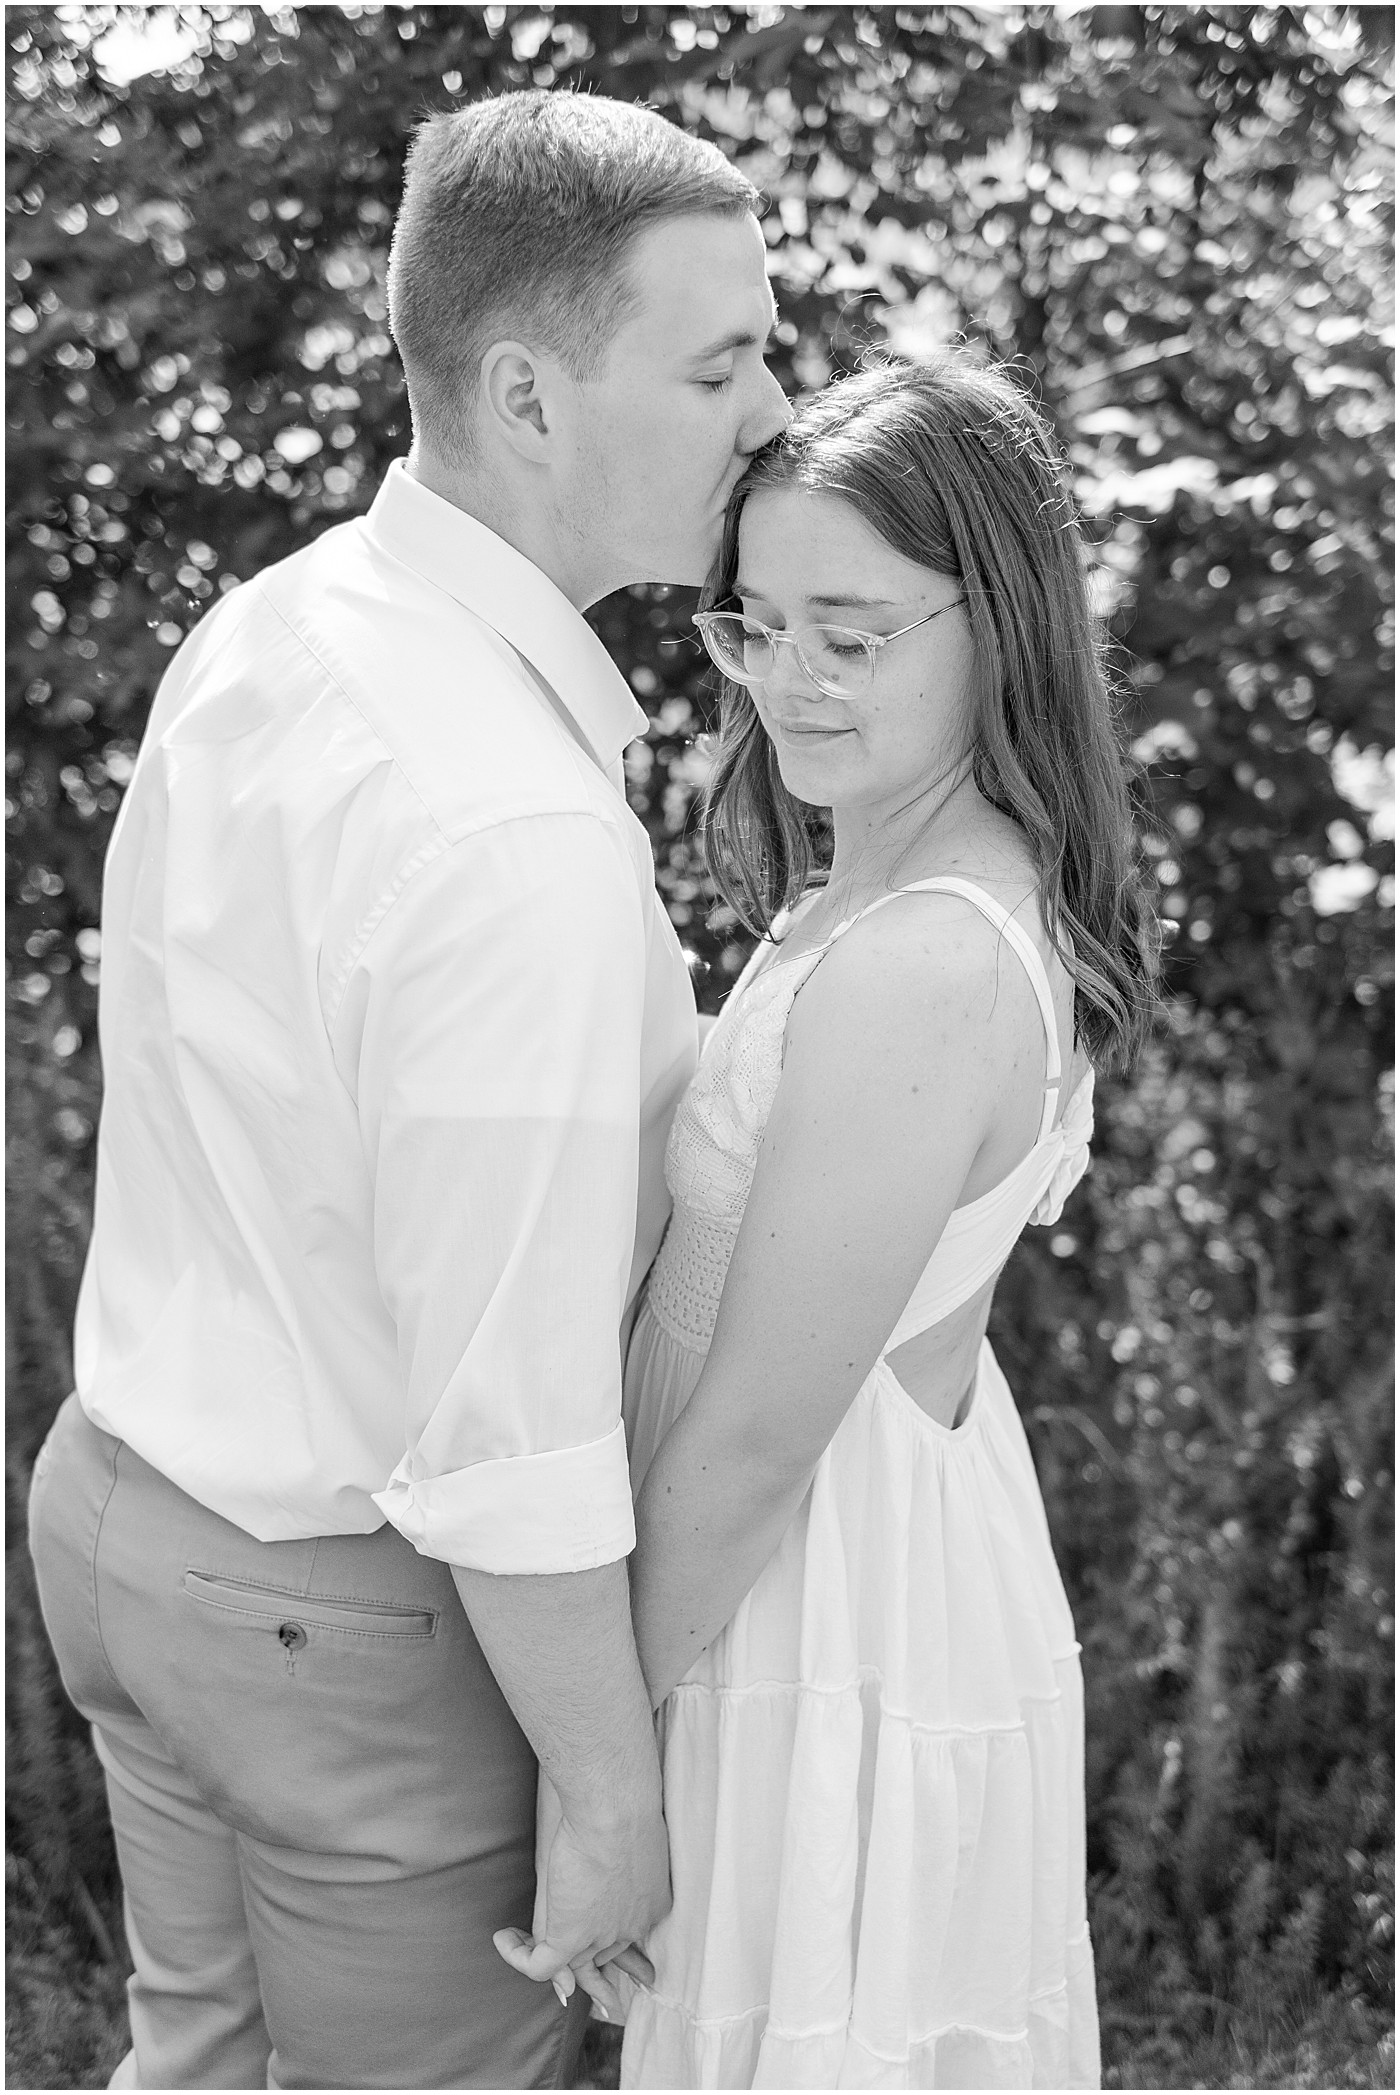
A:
<point x="1178" y="221"/>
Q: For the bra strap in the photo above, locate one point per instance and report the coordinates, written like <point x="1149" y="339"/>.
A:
<point x="1006" y="924"/>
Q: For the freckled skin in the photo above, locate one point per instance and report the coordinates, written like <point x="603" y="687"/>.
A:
<point x="891" y="744"/>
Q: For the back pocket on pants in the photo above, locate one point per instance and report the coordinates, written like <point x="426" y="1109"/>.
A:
<point x="278" y="1609"/>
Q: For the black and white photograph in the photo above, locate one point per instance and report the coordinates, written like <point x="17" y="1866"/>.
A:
<point x="700" y="809"/>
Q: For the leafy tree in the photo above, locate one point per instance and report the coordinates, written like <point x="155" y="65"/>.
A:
<point x="1177" y="221"/>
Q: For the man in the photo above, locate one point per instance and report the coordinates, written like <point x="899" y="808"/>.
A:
<point x="333" y="1533"/>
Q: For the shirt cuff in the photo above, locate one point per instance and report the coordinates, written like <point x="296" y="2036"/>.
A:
<point x="567" y="1510"/>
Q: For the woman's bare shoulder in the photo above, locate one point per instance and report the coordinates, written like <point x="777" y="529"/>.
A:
<point x="924" y="964"/>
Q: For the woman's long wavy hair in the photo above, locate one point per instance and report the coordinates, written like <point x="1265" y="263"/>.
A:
<point x="951" y="464"/>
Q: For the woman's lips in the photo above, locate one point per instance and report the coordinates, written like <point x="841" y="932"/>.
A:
<point x="811" y="734"/>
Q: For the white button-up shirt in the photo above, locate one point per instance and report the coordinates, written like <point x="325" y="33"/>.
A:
<point x="392" y="1024"/>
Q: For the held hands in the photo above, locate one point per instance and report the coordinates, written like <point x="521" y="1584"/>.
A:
<point x="601" y="1885"/>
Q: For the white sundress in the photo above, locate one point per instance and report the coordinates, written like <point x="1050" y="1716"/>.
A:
<point x="874" y="1776"/>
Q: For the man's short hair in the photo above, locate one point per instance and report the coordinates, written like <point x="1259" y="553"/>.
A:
<point x="517" y="218"/>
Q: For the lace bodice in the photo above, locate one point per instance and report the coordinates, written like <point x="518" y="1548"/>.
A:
<point x="715" y="1138"/>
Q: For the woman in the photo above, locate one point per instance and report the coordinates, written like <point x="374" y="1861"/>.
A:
<point x="846" y="1601"/>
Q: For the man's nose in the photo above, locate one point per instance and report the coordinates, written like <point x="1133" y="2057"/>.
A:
<point x="769" y="416"/>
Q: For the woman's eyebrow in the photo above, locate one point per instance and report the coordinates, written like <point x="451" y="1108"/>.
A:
<point x="853" y="603"/>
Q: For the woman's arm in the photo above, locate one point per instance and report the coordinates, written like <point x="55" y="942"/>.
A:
<point x="894" y="1080"/>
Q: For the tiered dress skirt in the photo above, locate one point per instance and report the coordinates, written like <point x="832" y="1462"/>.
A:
<point x="874" y="1778"/>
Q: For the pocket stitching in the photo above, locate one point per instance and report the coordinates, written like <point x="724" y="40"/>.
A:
<point x="279" y="1594"/>
<point x="356" y="1600"/>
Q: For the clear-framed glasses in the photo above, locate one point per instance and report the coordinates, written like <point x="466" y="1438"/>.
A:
<point x="839" y="660"/>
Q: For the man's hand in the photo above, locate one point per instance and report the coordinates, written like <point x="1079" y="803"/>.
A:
<point x="603" y="1884"/>
<point x="561" y="1647"/>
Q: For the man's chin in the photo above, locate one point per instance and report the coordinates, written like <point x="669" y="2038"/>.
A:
<point x="687" y="559"/>
<point x="684" y="568"/>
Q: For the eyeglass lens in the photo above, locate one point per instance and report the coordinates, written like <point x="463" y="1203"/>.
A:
<point x="830" y="655"/>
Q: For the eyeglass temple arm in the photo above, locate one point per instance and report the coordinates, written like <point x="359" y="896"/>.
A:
<point x="881" y="639"/>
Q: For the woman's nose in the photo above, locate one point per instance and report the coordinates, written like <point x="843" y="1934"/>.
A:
<point x="788" y="682"/>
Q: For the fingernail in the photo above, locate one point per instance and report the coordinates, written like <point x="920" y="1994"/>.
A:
<point x="563" y="1996"/>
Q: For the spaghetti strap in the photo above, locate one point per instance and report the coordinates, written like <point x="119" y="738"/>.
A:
<point x="997" y="914"/>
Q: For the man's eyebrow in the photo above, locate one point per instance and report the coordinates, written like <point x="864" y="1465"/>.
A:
<point x="737" y="338"/>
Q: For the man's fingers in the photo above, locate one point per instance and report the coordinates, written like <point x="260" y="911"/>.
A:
<point x="634" y="1963"/>
<point x="629" y="1958"/>
<point x="604" y="1995"/>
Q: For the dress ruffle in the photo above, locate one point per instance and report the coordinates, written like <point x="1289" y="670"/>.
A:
<point x="1077" y="1126"/>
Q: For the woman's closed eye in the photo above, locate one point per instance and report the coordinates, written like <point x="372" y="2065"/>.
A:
<point x="718" y="385"/>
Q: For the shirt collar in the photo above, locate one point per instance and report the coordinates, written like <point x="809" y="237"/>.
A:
<point x="516" y="599"/>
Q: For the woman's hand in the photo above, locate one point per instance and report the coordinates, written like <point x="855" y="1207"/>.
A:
<point x="601" y="1884"/>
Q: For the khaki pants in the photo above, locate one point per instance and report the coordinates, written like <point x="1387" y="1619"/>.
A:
<point x="322" y="1803"/>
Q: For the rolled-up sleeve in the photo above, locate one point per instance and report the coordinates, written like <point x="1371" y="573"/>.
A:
<point x="496" y="1016"/>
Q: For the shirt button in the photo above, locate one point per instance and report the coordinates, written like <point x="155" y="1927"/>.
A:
<point x="292" y="1635"/>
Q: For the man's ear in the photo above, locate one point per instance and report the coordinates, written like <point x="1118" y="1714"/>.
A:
<point x="515" y="398"/>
